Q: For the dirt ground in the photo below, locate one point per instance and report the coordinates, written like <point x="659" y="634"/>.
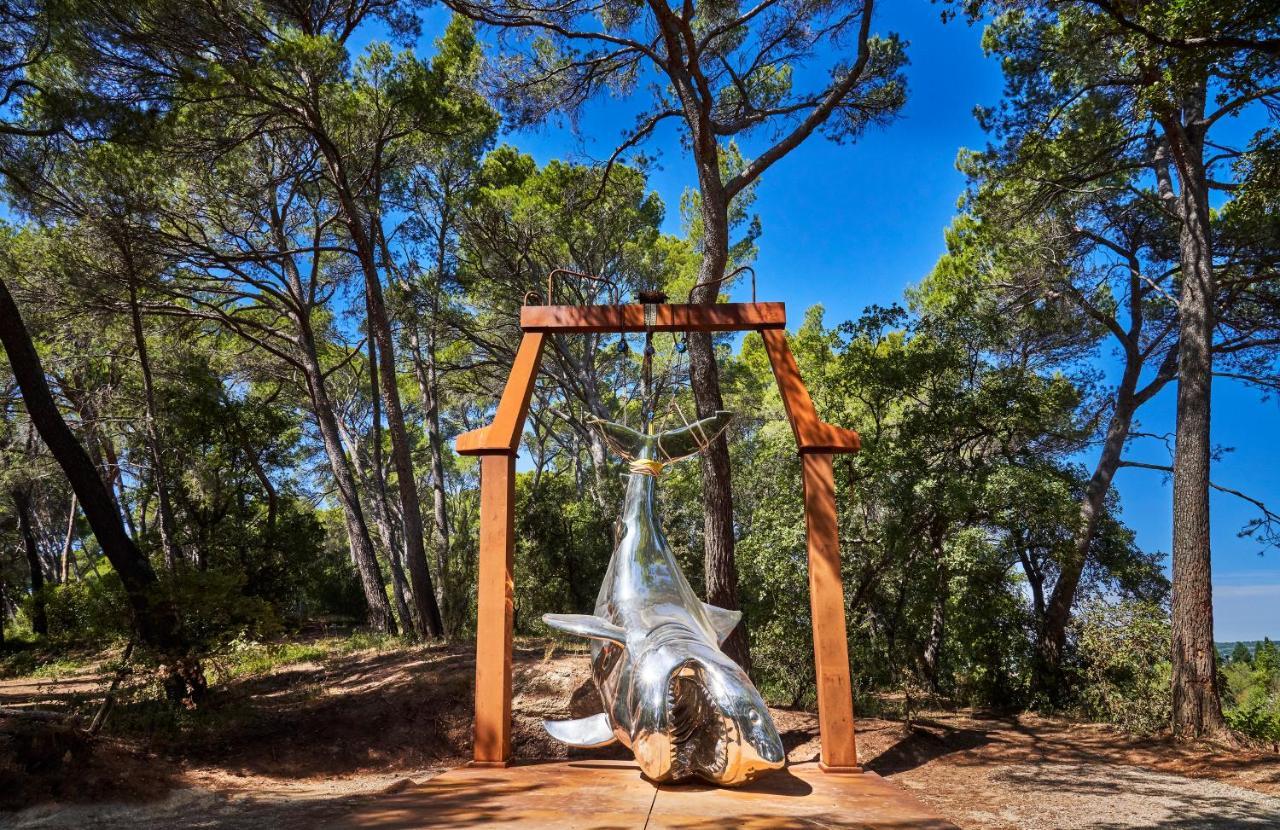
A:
<point x="312" y="741"/>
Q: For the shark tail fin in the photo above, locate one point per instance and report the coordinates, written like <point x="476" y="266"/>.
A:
<point x="624" y="439"/>
<point x="675" y="444"/>
<point x="672" y="445"/>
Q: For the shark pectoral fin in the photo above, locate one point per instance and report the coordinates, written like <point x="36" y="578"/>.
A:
<point x="583" y="732"/>
<point x="723" y="620"/>
<point x="587" y="625"/>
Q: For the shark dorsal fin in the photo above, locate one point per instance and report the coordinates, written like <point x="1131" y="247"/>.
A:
<point x="723" y="620"/>
<point x="587" y="625"/>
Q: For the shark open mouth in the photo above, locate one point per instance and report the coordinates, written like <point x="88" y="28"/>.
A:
<point x="700" y="738"/>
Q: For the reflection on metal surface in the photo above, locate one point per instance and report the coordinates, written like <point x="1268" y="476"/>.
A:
<point x="670" y="694"/>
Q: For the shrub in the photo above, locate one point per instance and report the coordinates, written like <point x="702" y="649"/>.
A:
<point x="1124" y="669"/>
<point x="1260" y="722"/>
<point x="215" y="610"/>
<point x="87" y="613"/>
<point x="1252" y="695"/>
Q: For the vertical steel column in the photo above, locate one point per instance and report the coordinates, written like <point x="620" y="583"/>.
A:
<point x="495" y="608"/>
<point x="818" y="441"/>
<point x="839" y="749"/>
<point x="496" y="445"/>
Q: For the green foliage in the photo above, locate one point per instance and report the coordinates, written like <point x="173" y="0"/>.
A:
<point x="88" y="613"/>
<point x="1252" y="692"/>
<point x="1257" y="722"/>
<point x="1266" y="657"/>
<point x="563" y="546"/>
<point x="249" y="658"/>
<point x="987" y="649"/>
<point x="960" y="508"/>
<point x="773" y="567"/>
<point x="1123" y="649"/>
<point x="216" y="610"/>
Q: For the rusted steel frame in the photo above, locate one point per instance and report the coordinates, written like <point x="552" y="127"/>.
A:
<point x="495" y="610"/>
<point x="503" y="434"/>
<point x="497" y="444"/>
<point x="812" y="433"/>
<point x="817" y="441"/>
<point x="600" y="319"/>
<point x="837" y="745"/>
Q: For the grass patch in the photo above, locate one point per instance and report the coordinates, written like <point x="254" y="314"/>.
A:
<point x="63" y="666"/>
<point x="249" y="659"/>
<point x="33" y="656"/>
<point x="366" y="641"/>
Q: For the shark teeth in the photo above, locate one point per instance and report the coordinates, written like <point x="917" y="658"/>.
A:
<point x="699" y="739"/>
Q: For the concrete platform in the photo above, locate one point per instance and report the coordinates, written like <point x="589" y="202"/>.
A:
<point x="612" y="795"/>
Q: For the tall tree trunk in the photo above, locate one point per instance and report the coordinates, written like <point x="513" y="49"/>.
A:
<point x="410" y="625"/>
<point x="932" y="656"/>
<point x="1047" y="680"/>
<point x="100" y="449"/>
<point x="1197" y="707"/>
<point x="255" y="463"/>
<point x="428" y="377"/>
<point x="66" y="560"/>
<point x="720" y="569"/>
<point x="156" y="619"/>
<point x="379" y="324"/>
<point x="426" y="370"/>
<point x="168" y="527"/>
<point x="22" y="506"/>
<point x="4" y="604"/>
<point x="115" y="485"/>
<point x="359" y="542"/>
<point x="362" y="553"/>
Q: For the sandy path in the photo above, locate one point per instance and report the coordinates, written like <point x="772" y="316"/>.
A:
<point x="216" y="801"/>
<point x="1049" y="796"/>
<point x="1040" y="797"/>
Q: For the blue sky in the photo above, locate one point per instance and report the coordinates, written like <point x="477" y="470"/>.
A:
<point x="848" y="226"/>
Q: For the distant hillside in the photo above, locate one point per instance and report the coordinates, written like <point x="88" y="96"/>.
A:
<point x="1225" y="649"/>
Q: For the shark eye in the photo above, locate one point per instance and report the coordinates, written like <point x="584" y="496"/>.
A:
<point x="755" y="717"/>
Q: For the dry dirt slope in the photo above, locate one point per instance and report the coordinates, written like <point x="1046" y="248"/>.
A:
<point x="312" y="740"/>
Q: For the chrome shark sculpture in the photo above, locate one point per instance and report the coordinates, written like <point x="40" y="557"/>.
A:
<point x="670" y="694"/>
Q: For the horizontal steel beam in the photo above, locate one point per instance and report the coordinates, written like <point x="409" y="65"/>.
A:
<point x="588" y="319"/>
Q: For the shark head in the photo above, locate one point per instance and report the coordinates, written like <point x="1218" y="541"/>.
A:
<point x="682" y="705"/>
<point x="700" y="716"/>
